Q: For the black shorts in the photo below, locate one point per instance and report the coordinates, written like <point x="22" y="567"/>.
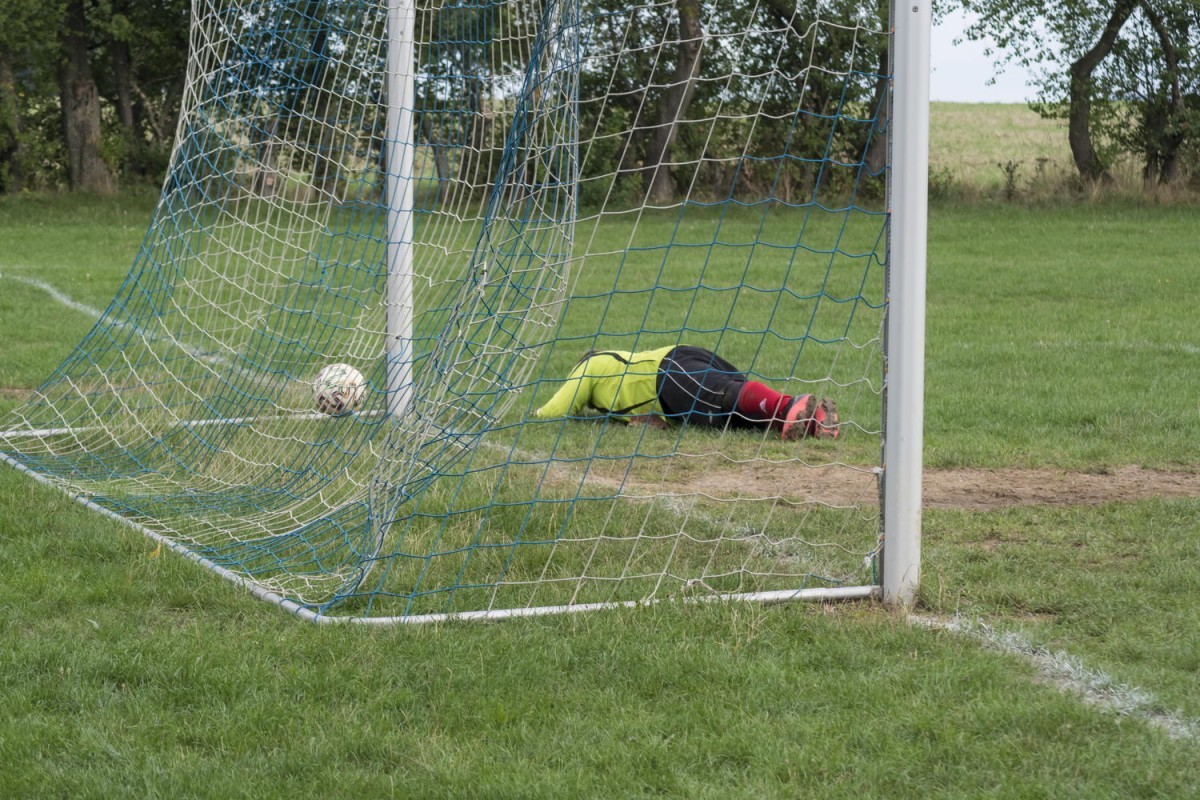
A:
<point x="699" y="387"/>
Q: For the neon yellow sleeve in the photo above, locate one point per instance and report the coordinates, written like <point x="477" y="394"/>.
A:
<point x="571" y="397"/>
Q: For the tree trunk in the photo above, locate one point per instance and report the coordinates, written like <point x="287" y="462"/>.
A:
<point x="123" y="78"/>
<point x="86" y="169"/>
<point x="12" y="172"/>
<point x="313" y="97"/>
<point x="1079" y="132"/>
<point x="1165" y="137"/>
<point x="268" y="178"/>
<point x="881" y="104"/>
<point x="675" y="102"/>
<point x="441" y="159"/>
<point x="474" y="166"/>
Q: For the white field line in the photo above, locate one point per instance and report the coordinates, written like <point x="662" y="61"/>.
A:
<point x="292" y="607"/>
<point x="55" y="294"/>
<point x="42" y="433"/>
<point x="1069" y="674"/>
<point x="69" y="302"/>
<point x="1135" y="346"/>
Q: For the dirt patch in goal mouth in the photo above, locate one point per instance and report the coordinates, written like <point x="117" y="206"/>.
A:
<point x="968" y="489"/>
<point x="985" y="489"/>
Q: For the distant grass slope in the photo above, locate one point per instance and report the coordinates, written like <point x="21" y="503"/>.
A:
<point x="971" y="142"/>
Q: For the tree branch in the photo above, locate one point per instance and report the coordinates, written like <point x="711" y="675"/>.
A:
<point x="1079" y="120"/>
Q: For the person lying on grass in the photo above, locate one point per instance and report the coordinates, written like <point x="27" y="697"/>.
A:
<point x="686" y="384"/>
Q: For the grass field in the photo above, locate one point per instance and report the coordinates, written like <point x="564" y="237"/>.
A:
<point x="970" y="146"/>
<point x="995" y="150"/>
<point x="1055" y="651"/>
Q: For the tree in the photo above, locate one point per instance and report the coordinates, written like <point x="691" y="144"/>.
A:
<point x="835" y="103"/>
<point x="86" y="167"/>
<point x="11" y="158"/>
<point x="1082" y="80"/>
<point x="141" y="48"/>
<point x="27" y="58"/>
<point x="732" y="114"/>
<point x="1124" y="73"/>
<point x="1160" y="69"/>
<point x="675" y="101"/>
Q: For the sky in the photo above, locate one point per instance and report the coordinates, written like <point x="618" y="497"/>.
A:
<point x="960" y="72"/>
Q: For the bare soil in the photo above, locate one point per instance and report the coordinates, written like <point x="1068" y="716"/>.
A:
<point x="970" y="489"/>
<point x="986" y="489"/>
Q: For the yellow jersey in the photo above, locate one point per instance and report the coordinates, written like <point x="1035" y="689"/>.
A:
<point x="616" y="382"/>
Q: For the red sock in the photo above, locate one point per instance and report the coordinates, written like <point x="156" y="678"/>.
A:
<point x="759" y="401"/>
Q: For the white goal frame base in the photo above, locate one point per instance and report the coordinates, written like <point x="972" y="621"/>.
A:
<point x="292" y="607"/>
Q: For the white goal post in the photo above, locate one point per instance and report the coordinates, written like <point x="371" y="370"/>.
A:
<point x="400" y="136"/>
<point x="462" y="201"/>
<point x="908" y="205"/>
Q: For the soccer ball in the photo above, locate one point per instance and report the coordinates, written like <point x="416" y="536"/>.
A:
<point x="338" y="389"/>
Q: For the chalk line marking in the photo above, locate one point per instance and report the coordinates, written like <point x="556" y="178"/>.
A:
<point x="1069" y="674"/>
<point x="58" y="296"/>
<point x="66" y="300"/>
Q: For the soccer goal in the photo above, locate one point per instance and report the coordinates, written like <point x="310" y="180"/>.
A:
<point x="456" y="201"/>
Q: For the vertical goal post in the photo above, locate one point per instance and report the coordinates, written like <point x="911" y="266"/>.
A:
<point x="905" y="358"/>
<point x="399" y="162"/>
<point x="459" y="200"/>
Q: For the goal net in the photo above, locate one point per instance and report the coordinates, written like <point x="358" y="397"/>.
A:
<point x="460" y="199"/>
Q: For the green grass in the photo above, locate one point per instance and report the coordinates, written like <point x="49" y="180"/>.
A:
<point x="1057" y="336"/>
<point x="1114" y="585"/>
<point x="130" y="674"/>
<point x="987" y="151"/>
<point x="1074" y="319"/>
<point x="970" y="144"/>
<point x="225" y="495"/>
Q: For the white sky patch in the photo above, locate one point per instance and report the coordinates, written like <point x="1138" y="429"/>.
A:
<point x="961" y="73"/>
<point x="1071" y="675"/>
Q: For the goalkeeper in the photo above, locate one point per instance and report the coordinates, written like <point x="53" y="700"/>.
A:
<point x="687" y="384"/>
